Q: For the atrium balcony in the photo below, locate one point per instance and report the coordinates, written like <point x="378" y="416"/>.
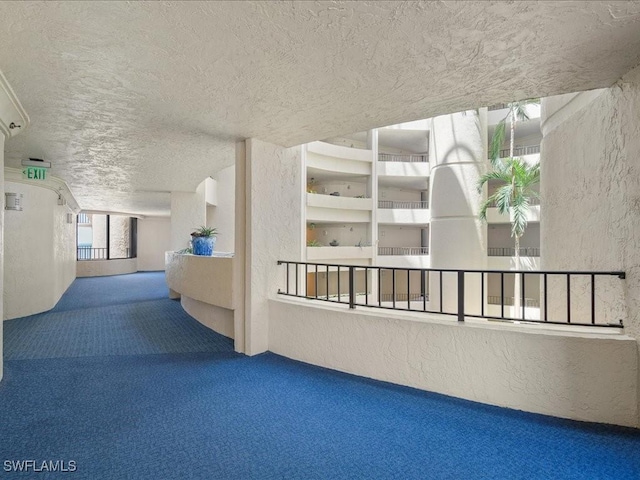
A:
<point x="326" y="157"/>
<point x="404" y="257"/>
<point x="403" y="212"/>
<point x="396" y="165"/>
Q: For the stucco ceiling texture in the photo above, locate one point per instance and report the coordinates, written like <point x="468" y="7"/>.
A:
<point x="131" y="100"/>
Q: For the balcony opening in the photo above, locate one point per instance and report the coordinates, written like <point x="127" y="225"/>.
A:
<point x="106" y="237"/>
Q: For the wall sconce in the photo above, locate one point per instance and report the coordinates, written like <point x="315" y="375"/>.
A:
<point x="69" y="217"/>
<point x="13" y="201"/>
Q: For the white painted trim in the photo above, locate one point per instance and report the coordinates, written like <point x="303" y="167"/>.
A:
<point x="55" y="184"/>
<point x="11" y="110"/>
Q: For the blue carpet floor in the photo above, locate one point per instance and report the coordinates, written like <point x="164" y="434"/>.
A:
<point x="142" y="406"/>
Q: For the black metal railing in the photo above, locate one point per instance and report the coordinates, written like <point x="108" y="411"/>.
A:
<point x="520" y="150"/>
<point x="393" y="157"/>
<point x="90" y="253"/>
<point x="403" y="205"/>
<point x="403" y="250"/>
<point x="511" y="251"/>
<point x="498" y="106"/>
<point x="510" y="301"/>
<point x="402" y="297"/>
<point x="303" y="279"/>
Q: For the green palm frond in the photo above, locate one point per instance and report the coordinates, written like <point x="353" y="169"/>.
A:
<point x="499" y="174"/>
<point x="515" y="178"/>
<point x="520" y="111"/>
<point x="496" y="142"/>
<point x="519" y="211"/>
<point x="503" y="198"/>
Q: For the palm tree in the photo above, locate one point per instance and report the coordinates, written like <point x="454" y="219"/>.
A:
<point x="517" y="112"/>
<point x="516" y="179"/>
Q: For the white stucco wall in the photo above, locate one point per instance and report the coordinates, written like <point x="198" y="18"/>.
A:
<point x="40" y="252"/>
<point x="188" y="212"/>
<point x="154" y="239"/>
<point x="583" y="376"/>
<point x="222" y="216"/>
<point x="591" y="189"/>
<point x="274" y="181"/>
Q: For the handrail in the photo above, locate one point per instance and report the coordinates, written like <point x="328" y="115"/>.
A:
<point x="327" y="282"/>
<point x="520" y="150"/>
<point x="511" y="251"/>
<point x="395" y="157"/>
<point x="510" y="301"/>
<point x="403" y="250"/>
<point x="498" y="106"/>
<point x="403" y="204"/>
<point x="90" y="253"/>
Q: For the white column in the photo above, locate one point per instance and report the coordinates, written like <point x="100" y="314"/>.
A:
<point x="239" y="265"/>
<point x="458" y="238"/>
<point x="273" y="215"/>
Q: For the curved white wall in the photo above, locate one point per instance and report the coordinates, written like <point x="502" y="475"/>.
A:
<point x="583" y="376"/>
<point x="11" y="111"/>
<point x="40" y="252"/>
<point x="205" y="285"/>
<point x="102" y="268"/>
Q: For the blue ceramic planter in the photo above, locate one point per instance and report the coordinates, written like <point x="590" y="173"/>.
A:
<point x="203" y="245"/>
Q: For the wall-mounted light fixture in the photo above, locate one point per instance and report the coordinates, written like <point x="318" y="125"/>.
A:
<point x="13" y="201"/>
<point x="69" y="217"/>
<point x="61" y="200"/>
<point x="36" y="162"/>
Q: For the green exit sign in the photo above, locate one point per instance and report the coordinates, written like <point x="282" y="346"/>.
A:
<point x="35" y="173"/>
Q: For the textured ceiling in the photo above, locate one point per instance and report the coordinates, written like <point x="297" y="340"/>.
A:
<point x="131" y="100"/>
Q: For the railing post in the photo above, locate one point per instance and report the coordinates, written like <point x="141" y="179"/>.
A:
<point x="461" y="296"/>
<point x="352" y="288"/>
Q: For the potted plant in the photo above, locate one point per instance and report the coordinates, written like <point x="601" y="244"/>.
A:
<point x="203" y="241"/>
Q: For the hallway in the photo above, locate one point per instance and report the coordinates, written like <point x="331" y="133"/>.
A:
<point x="119" y="380"/>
